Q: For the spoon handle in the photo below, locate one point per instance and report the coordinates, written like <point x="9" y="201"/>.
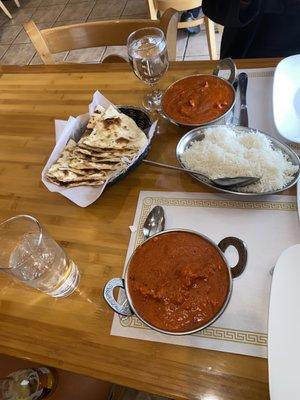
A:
<point x="157" y="164"/>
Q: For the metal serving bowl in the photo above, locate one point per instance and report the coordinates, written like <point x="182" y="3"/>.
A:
<point x="199" y="133"/>
<point x="127" y="307"/>
<point x="223" y="118"/>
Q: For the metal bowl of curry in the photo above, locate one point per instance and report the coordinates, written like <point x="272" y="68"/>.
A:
<point x="177" y="282"/>
<point x="200" y="100"/>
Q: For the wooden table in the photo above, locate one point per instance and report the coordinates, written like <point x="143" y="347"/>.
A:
<point x="74" y="333"/>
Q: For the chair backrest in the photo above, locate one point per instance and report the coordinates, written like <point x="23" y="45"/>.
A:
<point x="100" y="33"/>
<point x="179" y="5"/>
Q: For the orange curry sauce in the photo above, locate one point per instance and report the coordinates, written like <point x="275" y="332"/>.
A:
<point x="178" y="281"/>
<point x="198" y="99"/>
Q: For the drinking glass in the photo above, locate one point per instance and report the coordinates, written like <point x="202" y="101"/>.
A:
<point x="30" y="254"/>
<point x="147" y="51"/>
<point x="28" y="384"/>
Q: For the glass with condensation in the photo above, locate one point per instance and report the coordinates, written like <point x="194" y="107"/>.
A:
<point x="32" y="256"/>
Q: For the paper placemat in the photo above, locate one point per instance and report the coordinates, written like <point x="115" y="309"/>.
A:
<point x="260" y="103"/>
<point x="267" y="227"/>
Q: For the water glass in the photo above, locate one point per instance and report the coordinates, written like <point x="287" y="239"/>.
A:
<point x="147" y="51"/>
<point x="31" y="255"/>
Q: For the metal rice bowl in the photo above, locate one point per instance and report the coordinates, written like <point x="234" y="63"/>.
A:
<point x="199" y="133"/>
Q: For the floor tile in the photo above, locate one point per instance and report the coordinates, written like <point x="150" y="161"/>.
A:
<point x="197" y="44"/>
<point x="71" y="22"/>
<point x="59" y="57"/>
<point x="24" y="38"/>
<point x="111" y="9"/>
<point x="20" y="16"/>
<point x="18" y="54"/>
<point x="47" y="14"/>
<point x="118" y="50"/>
<point x="136" y="7"/>
<point x="9" y="33"/>
<point x="77" y="11"/>
<point x="182" y="39"/>
<point x="3" y="48"/>
<point x="53" y="3"/>
<point x="3" y="18"/>
<point x="76" y="1"/>
<point x="90" y="55"/>
<point x="30" y="3"/>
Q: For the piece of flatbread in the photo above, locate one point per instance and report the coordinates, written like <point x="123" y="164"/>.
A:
<point x="74" y="184"/>
<point x="69" y="176"/>
<point x="82" y="164"/>
<point x="64" y="158"/>
<point x="96" y="116"/>
<point x="116" y="132"/>
<point x="107" y="155"/>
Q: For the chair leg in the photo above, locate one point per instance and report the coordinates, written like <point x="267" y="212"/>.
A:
<point x="5" y="10"/>
<point x="17" y="3"/>
<point x="211" y="38"/>
<point x="152" y="9"/>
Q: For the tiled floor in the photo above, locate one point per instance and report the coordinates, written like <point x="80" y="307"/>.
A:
<point x="15" y="46"/>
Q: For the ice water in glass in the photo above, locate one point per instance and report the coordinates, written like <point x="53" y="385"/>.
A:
<point x="148" y="56"/>
<point x="36" y="259"/>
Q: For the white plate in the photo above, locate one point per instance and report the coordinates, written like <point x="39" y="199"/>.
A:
<point x="284" y="327"/>
<point x="286" y="98"/>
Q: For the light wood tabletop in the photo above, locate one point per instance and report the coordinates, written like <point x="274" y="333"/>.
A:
<point x="74" y="333"/>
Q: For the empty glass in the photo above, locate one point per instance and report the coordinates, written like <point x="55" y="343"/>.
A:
<point x="147" y="51"/>
<point x="30" y="254"/>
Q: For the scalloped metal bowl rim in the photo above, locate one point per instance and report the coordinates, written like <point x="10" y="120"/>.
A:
<point x="278" y="144"/>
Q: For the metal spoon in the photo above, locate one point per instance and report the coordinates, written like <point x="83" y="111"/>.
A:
<point x="220" y="182"/>
<point x="155" y="222"/>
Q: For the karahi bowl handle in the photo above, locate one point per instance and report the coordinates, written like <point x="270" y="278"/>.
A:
<point x="241" y="248"/>
<point x="108" y="294"/>
<point x="226" y="63"/>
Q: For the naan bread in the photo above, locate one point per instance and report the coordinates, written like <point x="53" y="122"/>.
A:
<point x="74" y="184"/>
<point x="118" y="131"/>
<point x="89" y="165"/>
<point x="108" y="144"/>
<point x="95" y="117"/>
<point x="70" y="176"/>
<point x="114" y="153"/>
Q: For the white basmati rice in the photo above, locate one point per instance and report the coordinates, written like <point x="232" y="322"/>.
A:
<point x="226" y="153"/>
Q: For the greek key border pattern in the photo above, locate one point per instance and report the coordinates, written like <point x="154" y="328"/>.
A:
<point x="260" y="74"/>
<point x="225" y="334"/>
<point x="150" y="202"/>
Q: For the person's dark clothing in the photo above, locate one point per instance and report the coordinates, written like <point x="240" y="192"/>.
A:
<point x="263" y="28"/>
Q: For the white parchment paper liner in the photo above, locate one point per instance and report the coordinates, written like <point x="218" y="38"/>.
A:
<point x="83" y="196"/>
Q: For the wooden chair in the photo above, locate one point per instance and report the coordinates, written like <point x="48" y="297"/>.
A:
<point x="100" y="33"/>
<point x="156" y="6"/>
<point x="3" y="7"/>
